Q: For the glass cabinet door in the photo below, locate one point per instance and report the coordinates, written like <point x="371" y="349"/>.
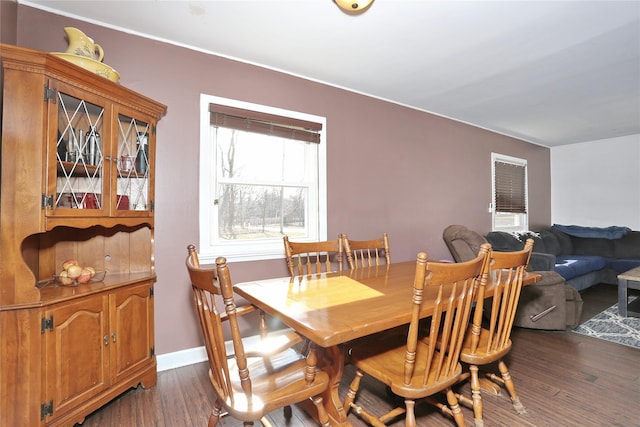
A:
<point x="103" y="158"/>
<point x="79" y="157"/>
<point x="133" y="164"/>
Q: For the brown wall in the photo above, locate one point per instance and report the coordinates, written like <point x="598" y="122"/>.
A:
<point x="390" y="168"/>
<point x="8" y="21"/>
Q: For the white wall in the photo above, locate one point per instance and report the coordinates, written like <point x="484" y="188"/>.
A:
<point x="597" y="183"/>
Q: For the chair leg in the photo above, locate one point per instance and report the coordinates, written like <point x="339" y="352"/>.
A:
<point x="508" y="384"/>
<point x="353" y="389"/>
<point x="456" y="412"/>
<point x="323" y="417"/>
<point x="215" y="414"/>
<point x="452" y="408"/>
<point x="476" y="396"/>
<point x="410" y="418"/>
<point x="360" y="411"/>
<point x="288" y="413"/>
<point x="372" y="419"/>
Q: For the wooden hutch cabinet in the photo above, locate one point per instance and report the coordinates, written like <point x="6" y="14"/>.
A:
<point x="78" y="163"/>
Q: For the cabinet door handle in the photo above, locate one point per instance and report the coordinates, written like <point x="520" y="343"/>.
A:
<point x="110" y="159"/>
<point x="113" y="336"/>
<point x="106" y="340"/>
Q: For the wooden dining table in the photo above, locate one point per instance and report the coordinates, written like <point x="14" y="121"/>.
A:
<point x="332" y="309"/>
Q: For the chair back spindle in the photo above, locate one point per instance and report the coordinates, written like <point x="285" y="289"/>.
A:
<point x="306" y="258"/>
<point x="367" y="253"/>
<point x="507" y="272"/>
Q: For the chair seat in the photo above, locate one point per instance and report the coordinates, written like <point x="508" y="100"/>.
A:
<point x="384" y="360"/>
<point x="275" y="384"/>
<point x="481" y="356"/>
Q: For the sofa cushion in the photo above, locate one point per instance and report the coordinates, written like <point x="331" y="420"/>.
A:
<point x="549" y="278"/>
<point x="628" y="246"/>
<point x="593" y="246"/>
<point x="551" y="242"/>
<point x="541" y="261"/>
<point x="538" y="243"/>
<point x="503" y="242"/>
<point x="622" y="265"/>
<point x="464" y="244"/>
<point x="463" y="251"/>
<point x="570" y="266"/>
<point x="566" y="246"/>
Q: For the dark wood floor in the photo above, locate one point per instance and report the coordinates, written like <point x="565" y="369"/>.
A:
<point x="563" y="379"/>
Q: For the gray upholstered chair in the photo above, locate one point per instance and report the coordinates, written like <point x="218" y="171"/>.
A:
<point x="549" y="304"/>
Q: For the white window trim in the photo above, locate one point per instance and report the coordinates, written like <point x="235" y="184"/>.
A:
<point x="518" y="161"/>
<point x="240" y="251"/>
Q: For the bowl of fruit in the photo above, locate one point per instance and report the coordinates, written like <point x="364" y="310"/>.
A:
<point x="74" y="274"/>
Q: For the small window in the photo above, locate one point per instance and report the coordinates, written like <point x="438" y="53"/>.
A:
<point x="510" y="193"/>
<point x="262" y="176"/>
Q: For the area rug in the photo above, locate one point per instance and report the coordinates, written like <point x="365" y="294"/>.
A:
<point x="611" y="327"/>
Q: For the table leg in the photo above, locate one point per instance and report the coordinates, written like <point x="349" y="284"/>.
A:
<point x="622" y="297"/>
<point x="333" y="364"/>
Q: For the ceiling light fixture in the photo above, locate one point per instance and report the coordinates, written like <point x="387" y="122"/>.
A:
<point x="353" y="5"/>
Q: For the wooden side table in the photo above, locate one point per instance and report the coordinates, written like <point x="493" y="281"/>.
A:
<point x="626" y="280"/>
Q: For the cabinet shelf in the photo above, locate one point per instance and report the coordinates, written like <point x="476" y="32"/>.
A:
<point x="130" y="174"/>
<point x="51" y="292"/>
<point x="72" y="169"/>
<point x="77" y="169"/>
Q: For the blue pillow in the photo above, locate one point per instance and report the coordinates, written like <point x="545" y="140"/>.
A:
<point x="611" y="233"/>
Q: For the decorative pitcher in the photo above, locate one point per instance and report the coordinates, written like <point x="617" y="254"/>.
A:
<point x="82" y="45"/>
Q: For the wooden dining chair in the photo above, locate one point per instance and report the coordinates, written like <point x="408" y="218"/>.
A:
<point x="414" y="368"/>
<point x="304" y="258"/>
<point x="253" y="344"/>
<point x="489" y="337"/>
<point x="367" y="253"/>
<point x="249" y="380"/>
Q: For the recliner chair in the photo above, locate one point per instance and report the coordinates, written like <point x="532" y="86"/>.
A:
<point x="549" y="304"/>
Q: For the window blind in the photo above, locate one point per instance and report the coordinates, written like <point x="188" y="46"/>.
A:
<point x="510" y="187"/>
<point x="264" y="123"/>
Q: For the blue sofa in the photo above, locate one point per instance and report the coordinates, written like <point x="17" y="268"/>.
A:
<point x="583" y="256"/>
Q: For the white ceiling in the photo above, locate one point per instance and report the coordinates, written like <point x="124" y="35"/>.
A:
<point x="548" y="72"/>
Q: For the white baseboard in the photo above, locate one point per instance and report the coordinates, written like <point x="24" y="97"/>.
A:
<point x="181" y="358"/>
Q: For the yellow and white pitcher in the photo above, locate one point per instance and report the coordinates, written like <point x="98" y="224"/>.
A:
<point x="82" y="45"/>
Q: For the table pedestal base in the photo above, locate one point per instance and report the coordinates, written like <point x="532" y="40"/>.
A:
<point x="332" y="362"/>
<point x="489" y="386"/>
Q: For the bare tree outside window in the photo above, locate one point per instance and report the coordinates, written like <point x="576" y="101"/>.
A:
<point x="258" y="198"/>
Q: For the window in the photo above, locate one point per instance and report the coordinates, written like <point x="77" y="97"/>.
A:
<point x="262" y="176"/>
<point x="510" y="193"/>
